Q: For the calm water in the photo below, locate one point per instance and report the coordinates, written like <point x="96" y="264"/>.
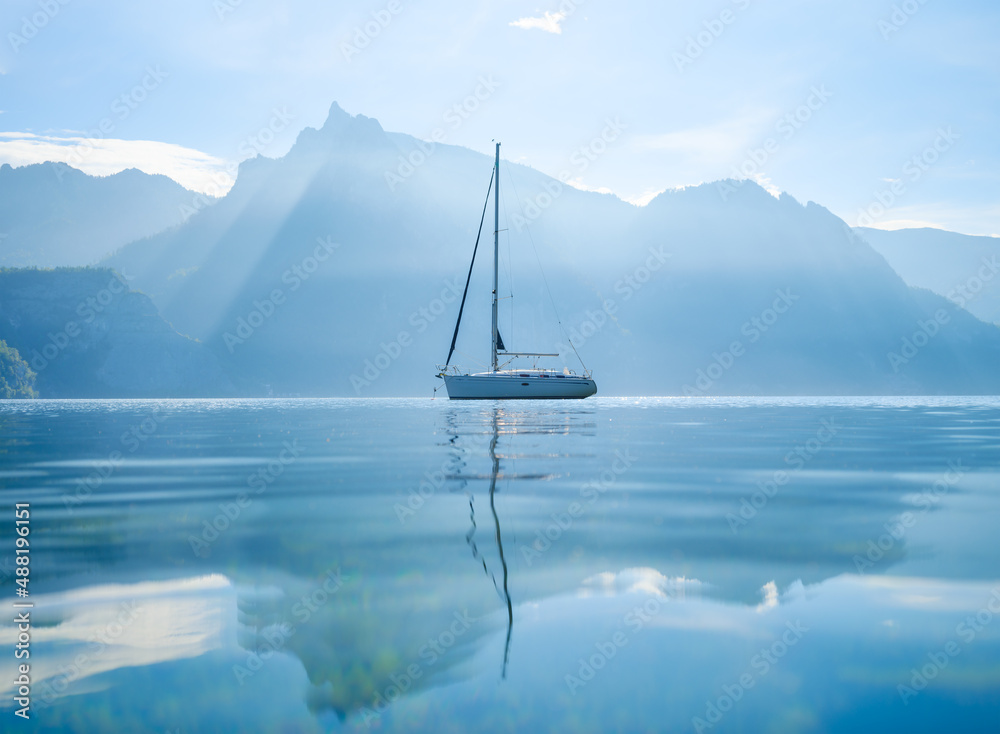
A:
<point x="414" y="565"/>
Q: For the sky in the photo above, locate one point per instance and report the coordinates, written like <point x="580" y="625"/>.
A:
<point x="884" y="111"/>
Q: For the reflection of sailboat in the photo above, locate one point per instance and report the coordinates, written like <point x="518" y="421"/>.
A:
<point x="507" y="383"/>
<point x="495" y="470"/>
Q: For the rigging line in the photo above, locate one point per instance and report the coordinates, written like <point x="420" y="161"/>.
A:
<point x="465" y="293"/>
<point x="510" y="282"/>
<point x="470" y="357"/>
<point x="508" y="266"/>
<point x="510" y="260"/>
<point x="542" y="270"/>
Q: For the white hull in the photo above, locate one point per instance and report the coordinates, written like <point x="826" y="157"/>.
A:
<point x="518" y="385"/>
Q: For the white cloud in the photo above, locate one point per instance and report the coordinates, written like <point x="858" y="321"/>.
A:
<point x="190" y="168"/>
<point x="722" y="143"/>
<point x="767" y="184"/>
<point x="577" y="183"/>
<point x="894" y="224"/>
<point x="550" y="22"/>
<point x="644" y="198"/>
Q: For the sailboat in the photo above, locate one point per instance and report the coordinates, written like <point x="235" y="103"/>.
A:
<point x="502" y="382"/>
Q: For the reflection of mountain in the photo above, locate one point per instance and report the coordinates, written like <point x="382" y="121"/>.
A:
<point x="369" y="641"/>
<point x="658" y="510"/>
<point x="665" y="511"/>
<point x="688" y="276"/>
<point x="357" y="666"/>
<point x="671" y="471"/>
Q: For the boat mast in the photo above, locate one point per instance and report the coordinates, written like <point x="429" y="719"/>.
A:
<point x="496" y="251"/>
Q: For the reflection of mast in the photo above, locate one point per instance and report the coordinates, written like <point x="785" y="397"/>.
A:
<point x="495" y="471"/>
<point x="503" y="561"/>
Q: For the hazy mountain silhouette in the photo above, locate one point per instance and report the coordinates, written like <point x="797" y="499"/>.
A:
<point x="333" y="271"/>
<point x="960" y="267"/>
<point x="54" y="215"/>
<point x="85" y="333"/>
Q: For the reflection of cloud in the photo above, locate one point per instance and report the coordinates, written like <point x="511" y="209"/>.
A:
<point x="937" y="595"/>
<point x="629" y="580"/>
<point x="550" y="22"/>
<point x="770" y="593"/>
<point x="190" y="168"/>
<point x="84" y="632"/>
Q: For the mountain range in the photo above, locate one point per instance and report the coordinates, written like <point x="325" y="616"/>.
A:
<point x="337" y="270"/>
<point x="82" y="332"/>
<point x="962" y="268"/>
<point x="54" y="215"/>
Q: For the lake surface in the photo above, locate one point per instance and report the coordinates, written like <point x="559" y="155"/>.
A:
<point x="723" y="565"/>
